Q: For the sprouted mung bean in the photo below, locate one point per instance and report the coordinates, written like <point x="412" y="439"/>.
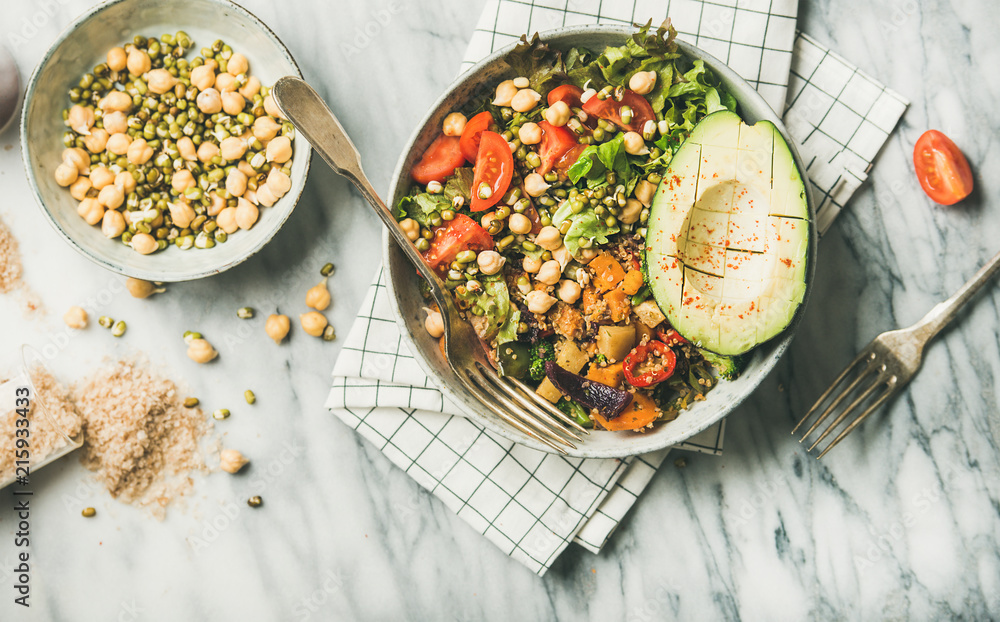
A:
<point x="162" y="149"/>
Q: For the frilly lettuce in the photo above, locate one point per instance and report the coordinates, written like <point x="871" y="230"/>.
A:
<point x="491" y="303"/>
<point x="585" y="226"/>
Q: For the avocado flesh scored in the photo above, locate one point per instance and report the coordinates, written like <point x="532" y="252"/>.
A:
<point x="728" y="236"/>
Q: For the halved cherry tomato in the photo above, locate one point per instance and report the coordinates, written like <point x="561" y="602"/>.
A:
<point x="472" y="134"/>
<point x="457" y="235"/>
<point x="942" y="169"/>
<point x="567" y="160"/>
<point x="638" y="375"/>
<point x="569" y="93"/>
<point x="610" y="110"/>
<point x="556" y="141"/>
<point x="439" y="161"/>
<point x="495" y="167"/>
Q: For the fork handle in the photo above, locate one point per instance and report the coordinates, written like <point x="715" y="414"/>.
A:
<point x="944" y="312"/>
<point x="316" y="122"/>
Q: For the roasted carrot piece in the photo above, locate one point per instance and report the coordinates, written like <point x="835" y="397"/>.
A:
<point x="640" y="412"/>
<point x="609" y="272"/>
<point x="633" y="282"/>
<point x="612" y="375"/>
<point x="618" y="304"/>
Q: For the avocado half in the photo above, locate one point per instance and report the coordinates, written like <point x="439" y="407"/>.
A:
<point x="728" y="235"/>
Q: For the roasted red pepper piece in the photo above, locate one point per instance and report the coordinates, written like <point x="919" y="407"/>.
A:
<point x="640" y="354"/>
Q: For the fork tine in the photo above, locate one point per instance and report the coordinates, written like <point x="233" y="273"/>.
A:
<point x="836" y="402"/>
<point x="547" y="406"/>
<point x="857" y="402"/>
<point x="822" y="398"/>
<point x="527" y="425"/>
<point x="882" y="398"/>
<point x="539" y="414"/>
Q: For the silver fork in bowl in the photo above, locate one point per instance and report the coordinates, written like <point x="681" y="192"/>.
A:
<point x="508" y="398"/>
<point x="889" y="362"/>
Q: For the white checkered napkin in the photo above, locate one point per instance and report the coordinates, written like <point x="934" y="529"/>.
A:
<point x="529" y="503"/>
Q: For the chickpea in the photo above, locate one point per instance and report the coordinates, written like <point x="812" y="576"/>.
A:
<point x="246" y="214"/>
<point x="265" y="128"/>
<point x="233" y="103"/>
<point x="138" y="62"/>
<point x="203" y="77"/>
<point x="182" y="180"/>
<point x="634" y="144"/>
<point x="506" y="91"/>
<point x="562" y="255"/>
<point x="236" y="183"/>
<point x="117" y="59"/>
<point x="434" y="324"/>
<point x="549" y="273"/>
<point x="531" y="265"/>
<point x="237" y="64"/>
<point x="454" y="124"/>
<point x="200" y="350"/>
<point x="278" y="183"/>
<point x="569" y="291"/>
<point x="225" y="83"/>
<point x="160" y="81"/>
<point x="81" y="119"/>
<point x="535" y="185"/>
<point x="111" y="197"/>
<point x="187" y="149"/>
<point x="218" y="204"/>
<point x="101" y="176"/>
<point x="313" y="323"/>
<point x="411" y="228"/>
<point x="119" y="144"/>
<point x="519" y="224"/>
<point x="79" y="189"/>
<point x="76" y="318"/>
<point x="139" y="152"/>
<point x="279" y="150"/>
<point x="232" y="149"/>
<point x="97" y="142"/>
<point x="251" y="88"/>
<point x="246" y="169"/>
<point x="142" y="289"/>
<point x="265" y="196"/>
<point x="272" y="109"/>
<point x="642" y="82"/>
<point x="143" y="243"/>
<point x="525" y="100"/>
<point x="557" y="114"/>
<point x="538" y="301"/>
<point x="181" y="213"/>
<point x="549" y="238"/>
<point x="277" y="327"/>
<point x="78" y="158"/>
<point x="630" y="213"/>
<point x="207" y="151"/>
<point x="318" y="296"/>
<point x="113" y="223"/>
<point x="490" y="262"/>
<point x="231" y="461"/>
<point x="586" y="255"/>
<point x="209" y="101"/>
<point x="227" y="220"/>
<point x="116" y="101"/>
<point x="125" y="182"/>
<point x="530" y="133"/>
<point x="116" y="122"/>
<point x="91" y="211"/>
<point x="66" y="174"/>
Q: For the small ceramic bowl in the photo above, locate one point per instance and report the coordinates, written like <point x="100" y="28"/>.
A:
<point x="83" y="45"/>
<point x="404" y="292"/>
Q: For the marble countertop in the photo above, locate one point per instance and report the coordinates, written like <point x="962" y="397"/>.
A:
<point x="902" y="521"/>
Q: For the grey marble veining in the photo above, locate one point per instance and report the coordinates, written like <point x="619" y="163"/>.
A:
<point x="902" y="521"/>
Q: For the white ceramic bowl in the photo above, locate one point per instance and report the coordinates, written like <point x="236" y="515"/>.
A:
<point x="407" y="303"/>
<point x="83" y="45"/>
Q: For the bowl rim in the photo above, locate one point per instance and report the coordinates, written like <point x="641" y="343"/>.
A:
<point x="639" y="443"/>
<point x="140" y="273"/>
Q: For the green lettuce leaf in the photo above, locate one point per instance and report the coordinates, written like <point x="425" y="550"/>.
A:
<point x="492" y="303"/>
<point x="584" y="227"/>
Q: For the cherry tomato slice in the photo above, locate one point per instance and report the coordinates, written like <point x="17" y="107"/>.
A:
<point x="610" y="110"/>
<point x="439" y="161"/>
<point x="556" y="141"/>
<point x="457" y="235"/>
<point x="472" y="134"/>
<point x="494" y="167"/>
<point x="569" y="93"/>
<point x="942" y="169"/>
<point x="567" y="160"/>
